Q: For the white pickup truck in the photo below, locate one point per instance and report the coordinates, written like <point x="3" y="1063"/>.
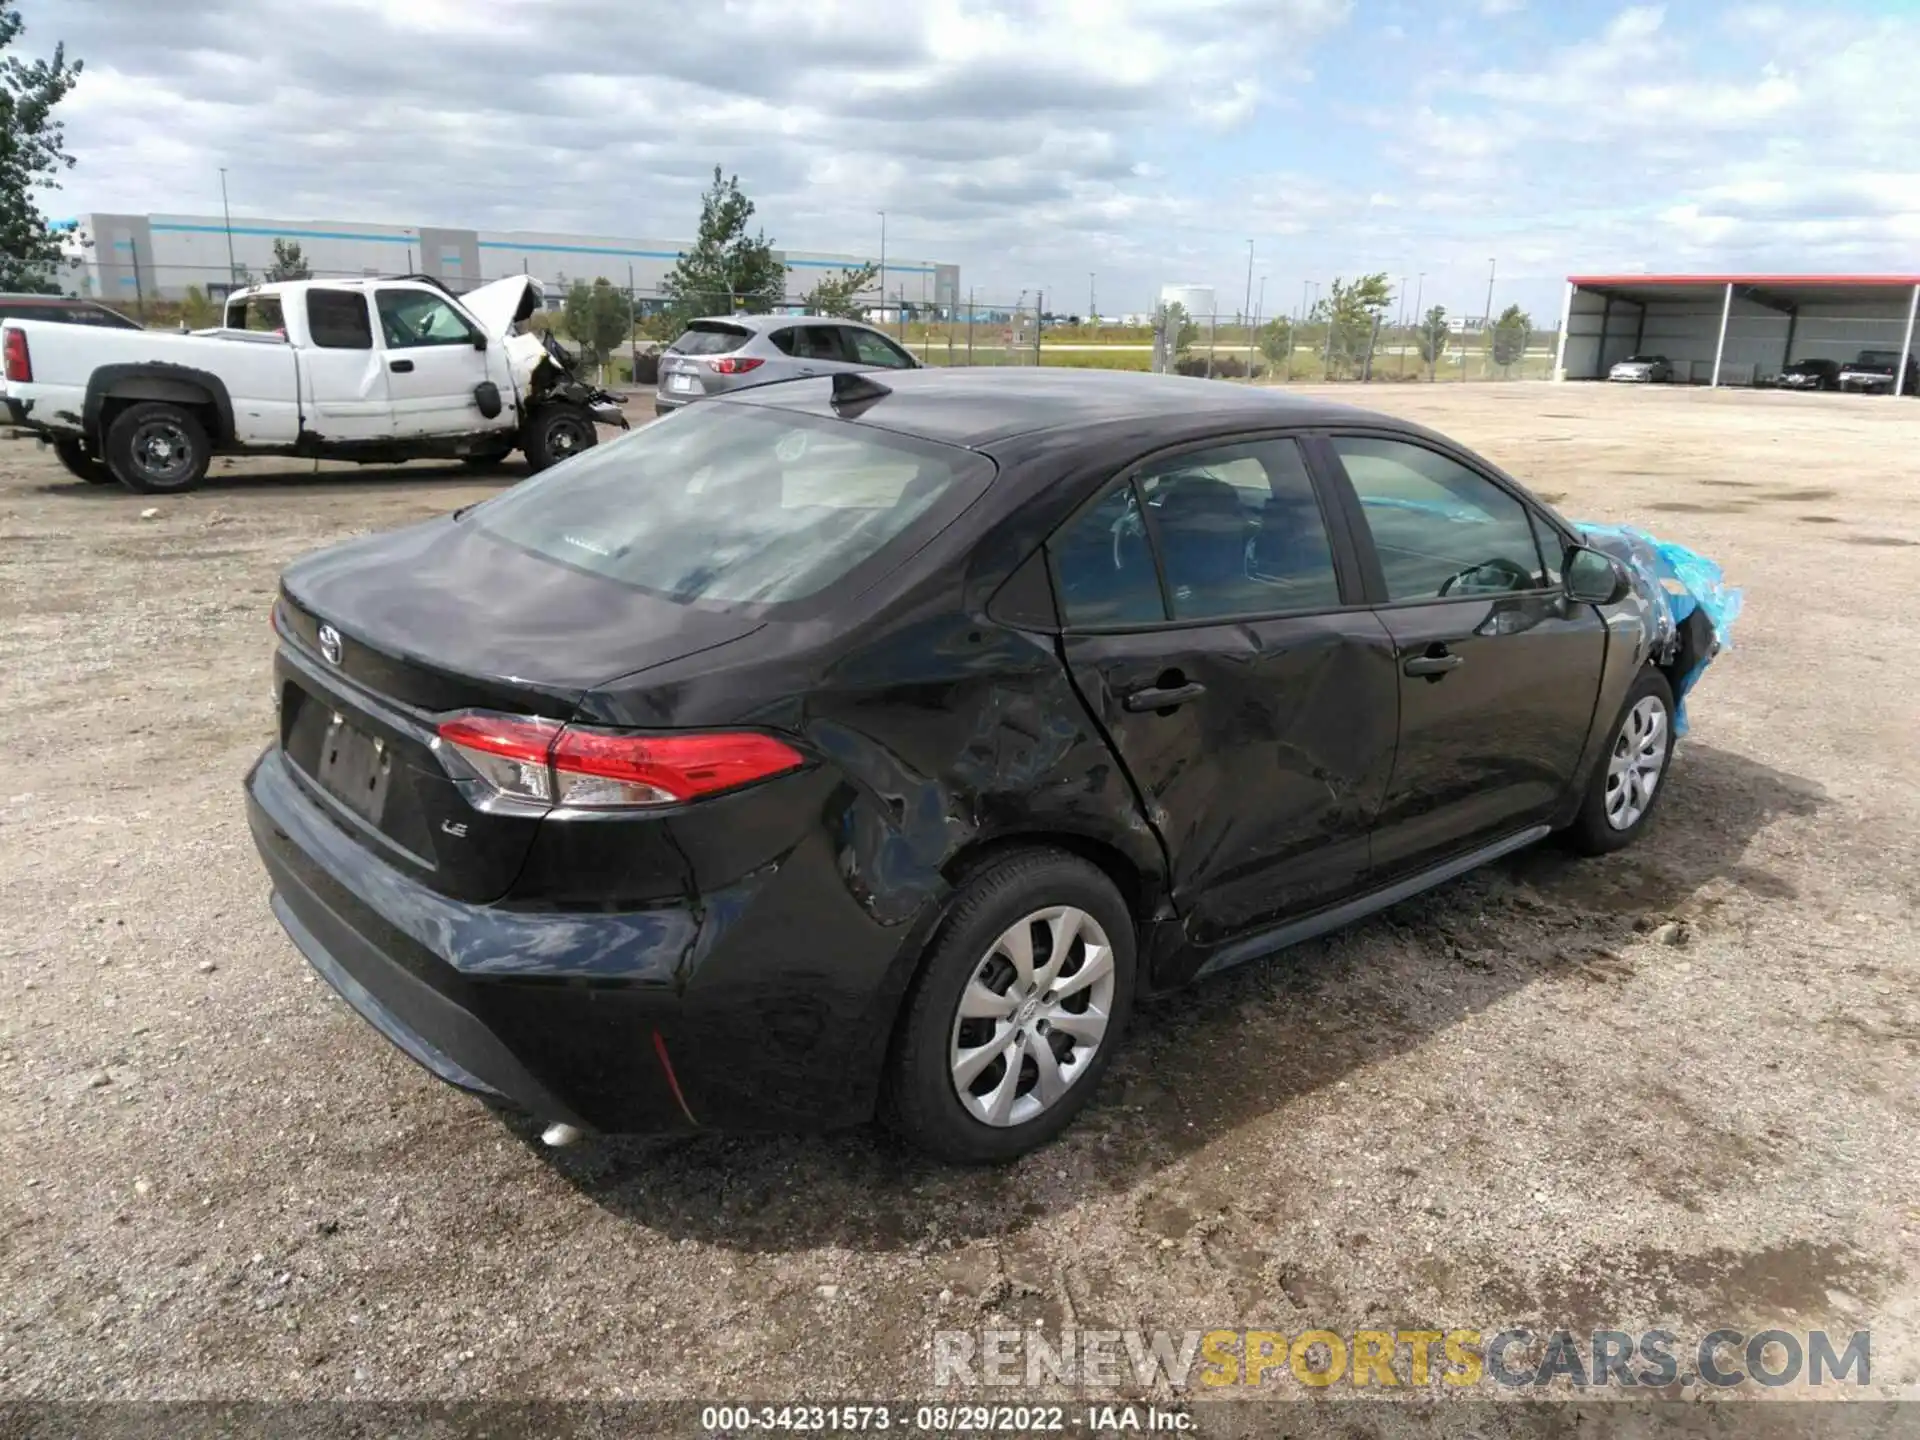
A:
<point x="374" y="371"/>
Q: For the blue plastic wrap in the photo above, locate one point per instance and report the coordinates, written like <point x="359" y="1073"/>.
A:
<point x="1673" y="582"/>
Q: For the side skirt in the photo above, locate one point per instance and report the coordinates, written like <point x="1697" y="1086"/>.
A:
<point x="1294" y="931"/>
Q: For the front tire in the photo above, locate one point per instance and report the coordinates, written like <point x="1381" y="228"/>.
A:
<point x="1631" y="776"/>
<point x="80" y="462"/>
<point x="556" y="433"/>
<point x="158" y="449"/>
<point x="1017" y="1010"/>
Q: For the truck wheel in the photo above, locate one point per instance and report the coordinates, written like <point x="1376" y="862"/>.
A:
<point x="81" y="462"/>
<point x="557" y="432"/>
<point x="158" y="448"/>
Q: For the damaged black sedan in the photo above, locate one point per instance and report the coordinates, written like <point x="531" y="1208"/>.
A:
<point x="870" y="745"/>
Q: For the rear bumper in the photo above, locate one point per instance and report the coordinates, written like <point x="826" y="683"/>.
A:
<point x="762" y="1004"/>
<point x="663" y="406"/>
<point x="437" y="978"/>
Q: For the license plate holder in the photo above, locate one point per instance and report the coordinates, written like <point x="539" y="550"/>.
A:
<point x="680" y="382"/>
<point x="356" y="769"/>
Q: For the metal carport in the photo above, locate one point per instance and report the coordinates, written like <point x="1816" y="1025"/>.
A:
<point x="1732" y="329"/>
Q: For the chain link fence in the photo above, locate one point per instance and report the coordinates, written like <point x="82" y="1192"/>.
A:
<point x="1024" y="331"/>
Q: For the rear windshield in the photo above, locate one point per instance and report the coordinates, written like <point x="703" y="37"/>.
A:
<point x="1878" y="357"/>
<point x="709" y="339"/>
<point x="735" y="505"/>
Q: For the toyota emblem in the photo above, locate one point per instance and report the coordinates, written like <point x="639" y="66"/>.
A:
<point x="330" y="644"/>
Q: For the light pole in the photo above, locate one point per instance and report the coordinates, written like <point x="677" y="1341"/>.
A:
<point x="1419" y="293"/>
<point x="1260" y="302"/>
<point x="1246" y="306"/>
<point x="883" y="267"/>
<point x="1093" y="310"/>
<point x="232" y="269"/>
<point x="1487" y="319"/>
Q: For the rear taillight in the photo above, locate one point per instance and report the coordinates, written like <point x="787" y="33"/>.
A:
<point x="575" y="767"/>
<point x="735" y="364"/>
<point x="19" y="360"/>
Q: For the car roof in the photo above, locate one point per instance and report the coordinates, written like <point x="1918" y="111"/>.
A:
<point x="773" y="322"/>
<point x="975" y="407"/>
<point x="10" y="297"/>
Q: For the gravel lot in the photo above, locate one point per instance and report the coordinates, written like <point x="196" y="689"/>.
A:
<point x="1679" y="1086"/>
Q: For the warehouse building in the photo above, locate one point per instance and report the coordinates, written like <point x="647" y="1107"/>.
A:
<point x="1732" y="329"/>
<point x="129" y="258"/>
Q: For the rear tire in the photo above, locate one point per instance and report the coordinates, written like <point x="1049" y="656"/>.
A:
<point x="158" y="449"/>
<point x="558" y="432"/>
<point x="966" y="1084"/>
<point x="1632" y="772"/>
<point x="81" y="462"/>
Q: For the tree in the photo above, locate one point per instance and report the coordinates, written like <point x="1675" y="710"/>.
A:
<point x="1351" y="312"/>
<point x="727" y="269"/>
<point x="1509" y="338"/>
<point x="1275" y="340"/>
<point x="1182" y="327"/>
<point x="1432" y="336"/>
<point x="197" y="312"/>
<point x="288" y="262"/>
<point x="32" y="153"/>
<point x="598" y="318"/>
<point x="837" y="294"/>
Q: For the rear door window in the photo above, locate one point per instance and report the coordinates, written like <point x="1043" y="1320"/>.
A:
<point x="1103" y="565"/>
<point x="101" y="316"/>
<point x="337" y="320"/>
<point x="731" y="506"/>
<point x="1240" y="532"/>
<point x="821" y="342"/>
<point x="707" y="337"/>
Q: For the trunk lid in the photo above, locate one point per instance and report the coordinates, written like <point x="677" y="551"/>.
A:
<point x="384" y="637"/>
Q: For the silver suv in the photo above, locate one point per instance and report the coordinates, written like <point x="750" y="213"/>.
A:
<point x="733" y="352"/>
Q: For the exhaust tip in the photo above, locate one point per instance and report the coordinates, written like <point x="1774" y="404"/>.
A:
<point x="557" y="1136"/>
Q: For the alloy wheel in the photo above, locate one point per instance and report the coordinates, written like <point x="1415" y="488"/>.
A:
<point x="1634" y="769"/>
<point x="1032" y="1015"/>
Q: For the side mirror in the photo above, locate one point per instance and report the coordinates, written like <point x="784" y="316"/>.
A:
<point x="1594" y="577"/>
<point x="479" y="340"/>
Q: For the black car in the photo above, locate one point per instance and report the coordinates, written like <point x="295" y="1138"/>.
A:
<point x="64" y="310"/>
<point x="855" y="745"/>
<point x="1810" y="375"/>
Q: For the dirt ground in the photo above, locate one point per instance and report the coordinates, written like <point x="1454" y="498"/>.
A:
<point x="1526" y="1099"/>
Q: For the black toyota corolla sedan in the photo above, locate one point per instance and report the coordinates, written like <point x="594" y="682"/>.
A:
<point x="870" y="745"/>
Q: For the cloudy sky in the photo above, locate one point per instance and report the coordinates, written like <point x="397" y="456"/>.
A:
<point x="1035" y="141"/>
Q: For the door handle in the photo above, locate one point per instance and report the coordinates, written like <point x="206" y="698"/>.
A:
<point x="400" y="367"/>
<point x="1163" y="698"/>
<point x="1433" y="666"/>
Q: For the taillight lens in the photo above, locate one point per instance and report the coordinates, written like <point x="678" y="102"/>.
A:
<point x="735" y="364"/>
<point x="19" y="360"/>
<point x="577" y="767"/>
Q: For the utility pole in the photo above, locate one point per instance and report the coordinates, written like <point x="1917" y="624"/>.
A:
<point x="1487" y="320"/>
<point x="883" y="267"/>
<point x="1246" y="306"/>
<point x="1260" y="302"/>
<point x="1093" y="311"/>
<point x="233" y="270"/>
<point x="1486" y="324"/>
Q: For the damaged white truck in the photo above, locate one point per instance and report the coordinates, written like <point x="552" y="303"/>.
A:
<point x="371" y="371"/>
